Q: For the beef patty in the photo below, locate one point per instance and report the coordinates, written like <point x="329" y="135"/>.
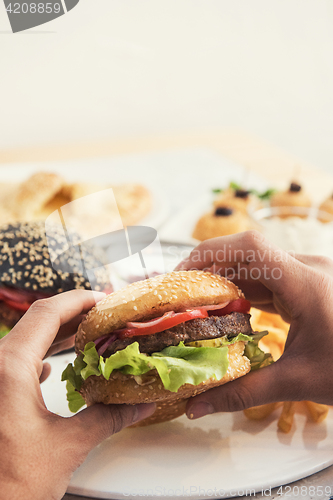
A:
<point x="9" y="316"/>
<point x="195" y="329"/>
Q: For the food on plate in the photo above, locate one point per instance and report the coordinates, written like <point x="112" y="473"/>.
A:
<point x="237" y="197"/>
<point x="327" y="206"/>
<point x="30" y="269"/>
<point x="286" y="418"/>
<point x="274" y="343"/>
<point x="230" y="213"/>
<point x="44" y="192"/>
<point x="309" y="233"/>
<point x="261" y="412"/>
<point x="222" y="221"/>
<point x="163" y="340"/>
<point x="134" y="201"/>
<point x="294" y="196"/>
<point x="35" y="195"/>
<point x="318" y="412"/>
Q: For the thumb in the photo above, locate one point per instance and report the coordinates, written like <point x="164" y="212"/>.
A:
<point x="270" y="384"/>
<point x="98" y="422"/>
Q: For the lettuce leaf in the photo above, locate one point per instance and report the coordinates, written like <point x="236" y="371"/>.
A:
<point x="74" y="398"/>
<point x="176" y="365"/>
<point x="257" y="357"/>
<point x="3" y="331"/>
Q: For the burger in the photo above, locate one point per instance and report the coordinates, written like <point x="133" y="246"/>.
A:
<point x="163" y="340"/>
<point x="34" y="265"/>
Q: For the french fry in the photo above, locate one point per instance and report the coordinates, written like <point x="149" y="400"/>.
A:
<point x="260" y="412"/>
<point x="274" y="343"/>
<point x="255" y="315"/>
<point x="274" y="320"/>
<point x="275" y="334"/>
<point x="275" y="349"/>
<point x="318" y="412"/>
<point x="287" y="416"/>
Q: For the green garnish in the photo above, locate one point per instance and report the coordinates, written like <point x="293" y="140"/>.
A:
<point x="3" y="331"/>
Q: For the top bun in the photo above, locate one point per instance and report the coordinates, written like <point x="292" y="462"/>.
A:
<point x="36" y="262"/>
<point x="151" y="298"/>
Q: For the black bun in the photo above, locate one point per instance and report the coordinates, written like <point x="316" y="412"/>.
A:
<point x="31" y="261"/>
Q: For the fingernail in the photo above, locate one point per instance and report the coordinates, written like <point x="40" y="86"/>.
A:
<point x="143" y="410"/>
<point x="198" y="410"/>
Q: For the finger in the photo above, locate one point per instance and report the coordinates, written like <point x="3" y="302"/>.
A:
<point x="270" y="265"/>
<point x="98" y="422"/>
<point x="38" y="328"/>
<point x="268" y="385"/>
<point x="68" y="329"/>
<point x="257" y="293"/>
<point x="45" y="372"/>
<point x="319" y="262"/>
<point x="61" y="346"/>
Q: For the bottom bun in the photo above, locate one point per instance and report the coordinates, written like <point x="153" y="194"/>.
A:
<point x="148" y="388"/>
<point x="164" y="412"/>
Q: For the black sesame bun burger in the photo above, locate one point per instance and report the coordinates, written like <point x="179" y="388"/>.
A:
<point x="35" y="266"/>
<point x="163" y="340"/>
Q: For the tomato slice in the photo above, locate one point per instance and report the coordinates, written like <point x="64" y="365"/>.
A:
<point x="171" y="319"/>
<point x="20" y="306"/>
<point x="239" y="305"/>
<point x="156" y="321"/>
<point x="20" y="300"/>
<point x="165" y="322"/>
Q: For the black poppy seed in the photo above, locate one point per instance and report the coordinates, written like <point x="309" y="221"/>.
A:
<point x="223" y="211"/>
<point x="242" y="193"/>
<point x="295" y="188"/>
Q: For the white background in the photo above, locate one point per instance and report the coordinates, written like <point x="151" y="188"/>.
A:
<point x="118" y="68"/>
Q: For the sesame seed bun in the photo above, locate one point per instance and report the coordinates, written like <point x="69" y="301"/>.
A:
<point x="152" y="298"/>
<point x="147" y="388"/>
<point x="32" y="262"/>
<point x="145" y="300"/>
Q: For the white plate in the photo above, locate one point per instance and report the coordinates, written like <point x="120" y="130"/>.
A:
<point x="219" y="456"/>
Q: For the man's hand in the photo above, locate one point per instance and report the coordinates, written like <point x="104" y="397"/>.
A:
<point x="299" y="288"/>
<point x="41" y="450"/>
